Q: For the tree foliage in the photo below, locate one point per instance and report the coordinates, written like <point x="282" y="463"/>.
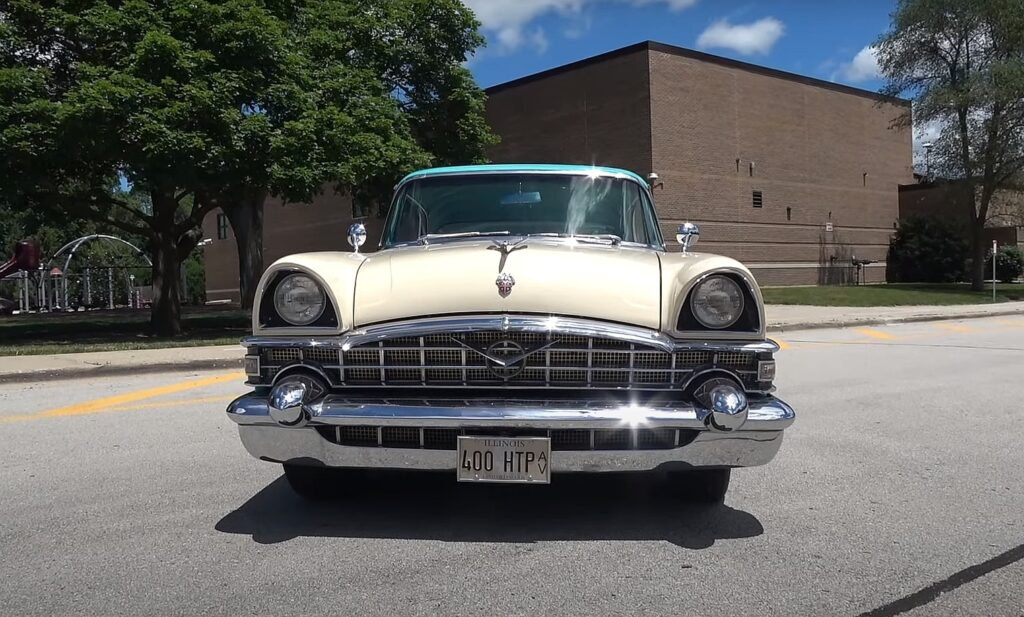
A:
<point x="927" y="250"/>
<point x="963" y="63"/>
<point x="383" y="90"/>
<point x="200" y="104"/>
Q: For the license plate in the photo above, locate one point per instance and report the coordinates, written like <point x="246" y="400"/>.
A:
<point x="504" y="459"/>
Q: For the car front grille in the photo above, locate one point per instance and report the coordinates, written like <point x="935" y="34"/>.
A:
<point x="561" y="439"/>
<point x="474" y="359"/>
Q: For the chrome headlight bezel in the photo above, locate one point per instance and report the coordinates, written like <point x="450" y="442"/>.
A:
<point x="729" y="290"/>
<point x="304" y="283"/>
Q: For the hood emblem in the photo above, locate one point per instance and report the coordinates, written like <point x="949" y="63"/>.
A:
<point x="505" y="358"/>
<point x="505" y="282"/>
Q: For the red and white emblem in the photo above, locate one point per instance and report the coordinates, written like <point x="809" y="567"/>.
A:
<point x="505" y="282"/>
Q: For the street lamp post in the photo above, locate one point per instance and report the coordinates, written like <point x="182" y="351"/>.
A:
<point x="927" y="159"/>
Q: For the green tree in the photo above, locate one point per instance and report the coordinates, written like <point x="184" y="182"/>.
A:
<point x="963" y="63"/>
<point x="202" y="104"/>
<point x="927" y="250"/>
<point x="377" y="88"/>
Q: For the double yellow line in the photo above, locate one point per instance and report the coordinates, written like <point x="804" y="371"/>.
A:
<point x="124" y="402"/>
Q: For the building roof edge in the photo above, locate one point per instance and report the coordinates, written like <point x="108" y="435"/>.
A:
<point x="703" y="57"/>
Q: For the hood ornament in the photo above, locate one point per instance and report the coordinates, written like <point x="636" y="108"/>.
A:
<point x="505" y="282"/>
<point x="507" y="246"/>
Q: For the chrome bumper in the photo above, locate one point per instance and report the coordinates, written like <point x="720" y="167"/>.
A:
<point x="754" y="443"/>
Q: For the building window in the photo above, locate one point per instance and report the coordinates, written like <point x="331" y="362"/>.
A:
<point x="222" y="227"/>
<point x="789" y="213"/>
<point x="758" y="200"/>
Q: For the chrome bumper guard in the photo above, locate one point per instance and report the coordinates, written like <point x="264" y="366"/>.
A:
<point x="753" y="443"/>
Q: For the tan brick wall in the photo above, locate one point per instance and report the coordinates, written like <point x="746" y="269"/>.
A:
<point x="597" y="114"/>
<point x="321" y="225"/>
<point x="821" y="153"/>
<point x="810" y="147"/>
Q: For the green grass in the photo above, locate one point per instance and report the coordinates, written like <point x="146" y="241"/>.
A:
<point x="891" y="295"/>
<point x="53" y="333"/>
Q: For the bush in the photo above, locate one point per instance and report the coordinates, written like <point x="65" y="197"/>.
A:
<point x="1009" y="264"/>
<point x="927" y="250"/>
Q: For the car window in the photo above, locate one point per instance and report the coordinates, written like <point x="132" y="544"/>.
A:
<point x="520" y="204"/>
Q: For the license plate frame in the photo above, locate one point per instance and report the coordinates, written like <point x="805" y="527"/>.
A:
<point x="511" y="460"/>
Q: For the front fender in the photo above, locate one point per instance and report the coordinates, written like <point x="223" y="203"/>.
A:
<point x="681" y="271"/>
<point x="335" y="271"/>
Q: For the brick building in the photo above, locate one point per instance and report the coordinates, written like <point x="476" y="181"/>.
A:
<point x="952" y="202"/>
<point x="792" y="175"/>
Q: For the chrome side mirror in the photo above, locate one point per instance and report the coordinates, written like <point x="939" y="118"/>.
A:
<point x="687" y="235"/>
<point x="356" y="235"/>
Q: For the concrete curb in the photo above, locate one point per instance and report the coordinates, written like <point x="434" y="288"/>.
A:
<point x="881" y="321"/>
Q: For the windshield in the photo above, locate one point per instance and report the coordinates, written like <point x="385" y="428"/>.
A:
<point x="613" y="209"/>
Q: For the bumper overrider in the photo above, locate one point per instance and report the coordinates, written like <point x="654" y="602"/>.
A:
<point x="608" y="397"/>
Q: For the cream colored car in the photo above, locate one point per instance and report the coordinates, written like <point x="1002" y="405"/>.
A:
<point x="518" y="322"/>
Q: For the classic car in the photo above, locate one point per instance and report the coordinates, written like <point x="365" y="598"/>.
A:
<point x="517" y="322"/>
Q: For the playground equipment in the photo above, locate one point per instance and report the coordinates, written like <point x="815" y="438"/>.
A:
<point x="64" y="283"/>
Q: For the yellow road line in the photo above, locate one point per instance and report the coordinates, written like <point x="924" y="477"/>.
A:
<point x="955" y="328"/>
<point x="206" y="400"/>
<point x="876" y="334"/>
<point x="1013" y="323"/>
<point x="782" y="344"/>
<point x="175" y="403"/>
<point x="121" y="400"/>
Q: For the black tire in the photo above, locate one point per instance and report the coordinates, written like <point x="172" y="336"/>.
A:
<point x="702" y="486"/>
<point x="313" y="483"/>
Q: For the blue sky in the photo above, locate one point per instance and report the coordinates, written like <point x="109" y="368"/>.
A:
<point x="819" y="38"/>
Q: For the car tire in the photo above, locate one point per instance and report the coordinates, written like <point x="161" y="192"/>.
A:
<point x="702" y="486"/>
<point x="313" y="483"/>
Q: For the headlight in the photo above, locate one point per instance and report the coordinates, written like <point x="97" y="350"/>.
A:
<point x="717" y="302"/>
<point x="299" y="300"/>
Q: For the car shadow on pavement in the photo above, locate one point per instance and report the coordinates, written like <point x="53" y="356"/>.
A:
<point x="432" y="506"/>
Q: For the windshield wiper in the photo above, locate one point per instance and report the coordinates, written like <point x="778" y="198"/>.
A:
<point x="609" y="238"/>
<point x="425" y="239"/>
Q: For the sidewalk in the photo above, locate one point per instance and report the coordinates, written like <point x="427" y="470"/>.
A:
<point x="781" y="318"/>
<point x="786" y="317"/>
<point x="15" y="369"/>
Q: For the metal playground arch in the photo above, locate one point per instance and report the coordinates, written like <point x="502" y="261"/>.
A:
<point x="53" y="282"/>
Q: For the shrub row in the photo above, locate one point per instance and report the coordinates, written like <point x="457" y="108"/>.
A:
<point x="929" y="250"/>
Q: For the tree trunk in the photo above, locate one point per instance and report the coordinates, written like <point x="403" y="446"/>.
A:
<point x="246" y="218"/>
<point x="979" y="254"/>
<point x="165" y="318"/>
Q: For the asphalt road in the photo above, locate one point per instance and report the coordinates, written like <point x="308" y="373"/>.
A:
<point x="900" y="490"/>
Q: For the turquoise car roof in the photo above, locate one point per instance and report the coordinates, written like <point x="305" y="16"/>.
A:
<point x="522" y="167"/>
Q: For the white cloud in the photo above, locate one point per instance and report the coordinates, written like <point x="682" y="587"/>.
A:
<point x="673" y="5"/>
<point x="507" y="21"/>
<point x="757" y="37"/>
<point x="863" y="67"/>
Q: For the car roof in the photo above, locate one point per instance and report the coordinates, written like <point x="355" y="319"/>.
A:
<point x="523" y="168"/>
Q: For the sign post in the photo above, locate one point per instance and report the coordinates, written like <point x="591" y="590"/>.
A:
<point x="995" y="248"/>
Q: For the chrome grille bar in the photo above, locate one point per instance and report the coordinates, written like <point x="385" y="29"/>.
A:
<point x="550" y="360"/>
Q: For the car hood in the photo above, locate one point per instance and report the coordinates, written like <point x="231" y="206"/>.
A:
<point x="552" y="276"/>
